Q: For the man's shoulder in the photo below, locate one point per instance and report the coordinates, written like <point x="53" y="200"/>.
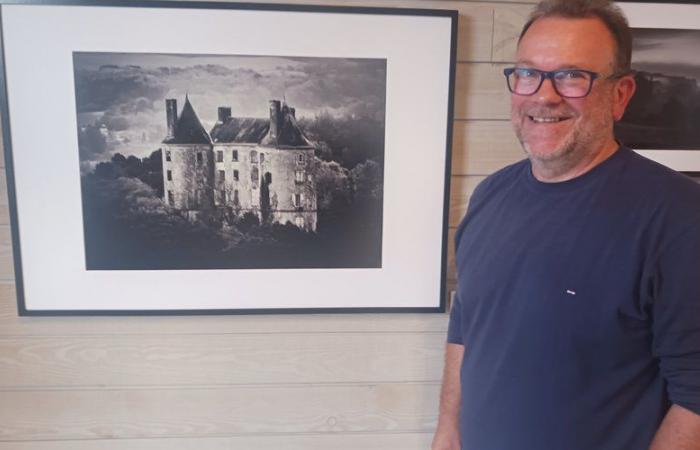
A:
<point x="654" y="180"/>
<point x="501" y="179"/>
<point x="660" y="198"/>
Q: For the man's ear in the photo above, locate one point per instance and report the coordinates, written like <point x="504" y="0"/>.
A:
<point x="622" y="94"/>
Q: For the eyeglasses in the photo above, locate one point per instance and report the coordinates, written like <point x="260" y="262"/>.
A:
<point x="570" y="83"/>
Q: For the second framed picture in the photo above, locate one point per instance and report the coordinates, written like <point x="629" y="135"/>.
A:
<point x="661" y="121"/>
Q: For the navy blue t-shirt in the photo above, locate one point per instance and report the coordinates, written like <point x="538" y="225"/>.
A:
<point x="579" y="307"/>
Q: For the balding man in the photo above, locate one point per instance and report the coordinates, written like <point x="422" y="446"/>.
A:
<point x="577" y="320"/>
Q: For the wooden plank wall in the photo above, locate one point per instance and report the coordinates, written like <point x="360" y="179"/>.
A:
<point x="257" y="382"/>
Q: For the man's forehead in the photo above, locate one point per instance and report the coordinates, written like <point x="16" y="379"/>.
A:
<point x="566" y="43"/>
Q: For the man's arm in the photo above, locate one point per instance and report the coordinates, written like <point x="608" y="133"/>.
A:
<point x="447" y="433"/>
<point x="680" y="430"/>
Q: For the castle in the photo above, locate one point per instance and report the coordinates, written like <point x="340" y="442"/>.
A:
<point x="257" y="165"/>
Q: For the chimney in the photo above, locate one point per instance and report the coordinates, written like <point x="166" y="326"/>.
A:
<point x="171" y="114"/>
<point x="274" y="119"/>
<point x="224" y="113"/>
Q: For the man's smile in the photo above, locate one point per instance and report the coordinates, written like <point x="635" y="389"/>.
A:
<point x="547" y="119"/>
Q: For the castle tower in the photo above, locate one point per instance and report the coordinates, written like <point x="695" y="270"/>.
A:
<point x="187" y="160"/>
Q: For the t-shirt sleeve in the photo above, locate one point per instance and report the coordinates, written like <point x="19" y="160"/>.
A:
<point x="454" y="329"/>
<point x="676" y="316"/>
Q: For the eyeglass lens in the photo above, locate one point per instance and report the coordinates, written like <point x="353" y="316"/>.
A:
<point x="568" y="83"/>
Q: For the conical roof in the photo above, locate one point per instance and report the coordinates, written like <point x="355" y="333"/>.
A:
<point x="289" y="134"/>
<point x="188" y="129"/>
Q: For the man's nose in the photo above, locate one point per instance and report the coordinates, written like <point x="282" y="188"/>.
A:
<point x="547" y="93"/>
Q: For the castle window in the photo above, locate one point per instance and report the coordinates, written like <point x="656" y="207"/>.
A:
<point x="235" y="175"/>
<point x="169" y="174"/>
<point x="219" y="156"/>
<point x="198" y="197"/>
<point x="222" y="176"/>
<point x="299" y="176"/>
<point x="254" y="157"/>
<point x="235" y="197"/>
<point x="167" y="155"/>
<point x="300" y="158"/>
<point x="234" y="155"/>
<point x="297" y="199"/>
<point x="254" y="175"/>
<point x="171" y="198"/>
<point x="200" y="157"/>
<point x="262" y="157"/>
<point x="299" y="222"/>
<point x="268" y="178"/>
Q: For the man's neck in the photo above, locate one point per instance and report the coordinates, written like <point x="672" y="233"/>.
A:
<point x="568" y="169"/>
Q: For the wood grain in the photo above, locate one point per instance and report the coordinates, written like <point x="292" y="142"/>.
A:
<point x="7" y="271"/>
<point x="482" y="147"/>
<point x="481" y="92"/>
<point x="281" y="441"/>
<point x="220" y="359"/>
<point x="149" y="413"/>
<point x="508" y="23"/>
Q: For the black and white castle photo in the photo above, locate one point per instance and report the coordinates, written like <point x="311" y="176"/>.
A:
<point x="230" y="162"/>
<point x="664" y="113"/>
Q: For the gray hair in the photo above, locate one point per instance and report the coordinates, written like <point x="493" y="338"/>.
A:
<point x="609" y="13"/>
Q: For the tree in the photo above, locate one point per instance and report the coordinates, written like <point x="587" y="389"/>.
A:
<point x="367" y="180"/>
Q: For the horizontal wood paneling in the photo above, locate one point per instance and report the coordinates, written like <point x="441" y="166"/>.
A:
<point x="220" y="359"/>
<point x="330" y="441"/>
<point x="482" y="147"/>
<point x="135" y="413"/>
<point x="481" y="92"/>
<point x="508" y="25"/>
<point x="4" y="209"/>
<point x="7" y="271"/>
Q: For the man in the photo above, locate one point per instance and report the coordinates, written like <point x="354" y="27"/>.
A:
<point x="577" y="320"/>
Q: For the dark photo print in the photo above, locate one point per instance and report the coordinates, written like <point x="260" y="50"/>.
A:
<point x="230" y="162"/>
<point x="665" y="111"/>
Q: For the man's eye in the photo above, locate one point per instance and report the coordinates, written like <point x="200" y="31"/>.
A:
<point x="571" y="75"/>
<point x="526" y="73"/>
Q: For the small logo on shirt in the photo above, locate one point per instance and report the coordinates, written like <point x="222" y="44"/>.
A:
<point x="570" y="292"/>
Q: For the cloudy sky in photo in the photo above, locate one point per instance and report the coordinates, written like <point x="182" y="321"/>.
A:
<point x="672" y="52"/>
<point x="124" y="94"/>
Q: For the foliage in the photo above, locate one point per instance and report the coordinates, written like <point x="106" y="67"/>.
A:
<point x="128" y="226"/>
<point x="149" y="169"/>
<point x="347" y="140"/>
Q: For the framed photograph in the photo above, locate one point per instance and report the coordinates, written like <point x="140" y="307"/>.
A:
<point x="661" y="121"/>
<point x="220" y="158"/>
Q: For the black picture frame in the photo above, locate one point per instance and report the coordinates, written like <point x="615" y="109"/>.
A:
<point x="51" y="273"/>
